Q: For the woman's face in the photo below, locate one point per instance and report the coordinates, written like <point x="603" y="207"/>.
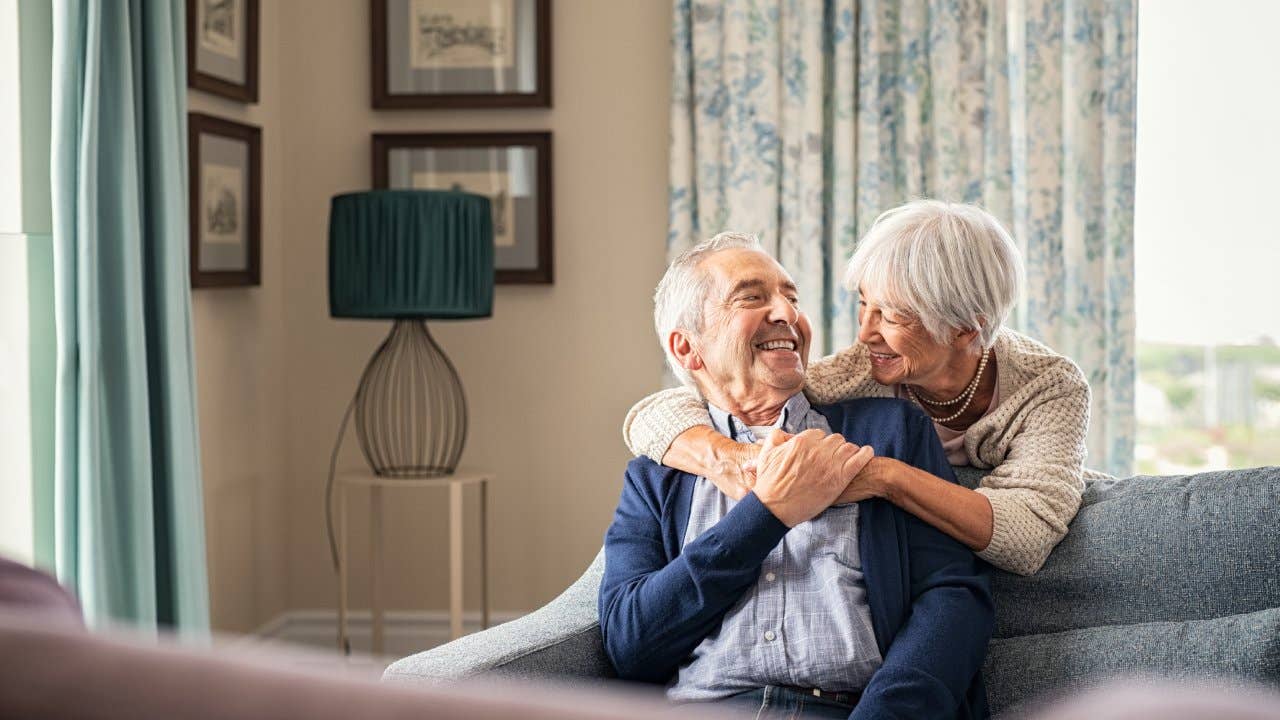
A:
<point x="902" y="350"/>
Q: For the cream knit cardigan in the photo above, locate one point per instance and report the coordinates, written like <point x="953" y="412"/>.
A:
<point x="1033" y="442"/>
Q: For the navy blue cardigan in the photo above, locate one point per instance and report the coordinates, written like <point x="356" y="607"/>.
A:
<point x="930" y="597"/>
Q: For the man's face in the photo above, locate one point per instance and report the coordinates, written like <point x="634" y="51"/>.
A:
<point x="755" y="340"/>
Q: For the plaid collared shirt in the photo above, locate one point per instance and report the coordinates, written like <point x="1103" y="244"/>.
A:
<point x="806" y="622"/>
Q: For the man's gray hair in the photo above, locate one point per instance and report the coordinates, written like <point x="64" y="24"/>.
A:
<point x="953" y="266"/>
<point x="682" y="293"/>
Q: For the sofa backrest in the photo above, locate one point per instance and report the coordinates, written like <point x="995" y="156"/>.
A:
<point x="1172" y="577"/>
<point x="1154" y="549"/>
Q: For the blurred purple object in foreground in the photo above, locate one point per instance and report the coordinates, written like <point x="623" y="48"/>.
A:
<point x="25" y="590"/>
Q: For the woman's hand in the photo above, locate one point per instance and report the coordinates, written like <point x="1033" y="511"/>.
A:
<point x="957" y="511"/>
<point x="734" y="468"/>
<point x="729" y="465"/>
<point x="871" y="481"/>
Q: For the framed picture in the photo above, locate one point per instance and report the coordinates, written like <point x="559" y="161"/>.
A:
<point x="226" y="202"/>
<point x="461" y="53"/>
<point x="222" y="48"/>
<point x="512" y="169"/>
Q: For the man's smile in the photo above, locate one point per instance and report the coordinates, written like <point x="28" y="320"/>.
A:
<point x="777" y="345"/>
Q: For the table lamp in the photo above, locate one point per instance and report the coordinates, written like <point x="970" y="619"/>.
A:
<point x="408" y="256"/>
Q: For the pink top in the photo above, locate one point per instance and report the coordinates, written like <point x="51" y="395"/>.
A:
<point x="953" y="440"/>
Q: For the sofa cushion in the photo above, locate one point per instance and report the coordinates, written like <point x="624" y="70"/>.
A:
<point x="1155" y="549"/>
<point x="1026" y="669"/>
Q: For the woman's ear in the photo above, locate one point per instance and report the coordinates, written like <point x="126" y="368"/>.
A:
<point x="964" y="339"/>
<point x="683" y="349"/>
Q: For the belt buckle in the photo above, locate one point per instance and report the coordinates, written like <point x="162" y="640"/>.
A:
<point x="817" y="693"/>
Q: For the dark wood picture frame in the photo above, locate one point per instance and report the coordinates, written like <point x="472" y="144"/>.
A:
<point x="384" y="99"/>
<point x="384" y="143"/>
<point x="197" y="125"/>
<point x="248" y="92"/>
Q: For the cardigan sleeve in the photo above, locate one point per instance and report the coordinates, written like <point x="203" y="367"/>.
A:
<point x="654" y="610"/>
<point x="834" y="378"/>
<point x="1035" y="492"/>
<point x="656" y="421"/>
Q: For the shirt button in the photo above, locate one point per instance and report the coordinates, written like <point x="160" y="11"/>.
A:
<point x="768" y="635"/>
<point x="770" y="577"/>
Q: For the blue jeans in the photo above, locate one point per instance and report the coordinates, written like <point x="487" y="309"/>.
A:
<point x="782" y="703"/>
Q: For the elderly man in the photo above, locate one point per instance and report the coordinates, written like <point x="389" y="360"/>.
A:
<point x="801" y="597"/>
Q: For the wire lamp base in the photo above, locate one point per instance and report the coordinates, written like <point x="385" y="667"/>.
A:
<point x="410" y="412"/>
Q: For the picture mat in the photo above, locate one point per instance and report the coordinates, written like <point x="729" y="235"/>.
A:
<point x="520" y="78"/>
<point x="222" y="192"/>
<point x="480" y="34"/>
<point x="217" y="64"/>
<point x="519" y="163"/>
<point x="217" y="254"/>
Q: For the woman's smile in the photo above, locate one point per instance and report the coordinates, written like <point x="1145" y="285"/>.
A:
<point x="884" y="360"/>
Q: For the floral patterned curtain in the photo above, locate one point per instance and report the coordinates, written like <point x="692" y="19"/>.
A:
<point x="802" y="120"/>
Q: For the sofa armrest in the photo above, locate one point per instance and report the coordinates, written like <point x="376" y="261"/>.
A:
<point x="560" y="639"/>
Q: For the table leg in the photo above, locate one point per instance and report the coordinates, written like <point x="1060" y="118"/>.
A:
<point x="375" y="566"/>
<point x="484" y="553"/>
<point x="344" y="643"/>
<point x="455" y="560"/>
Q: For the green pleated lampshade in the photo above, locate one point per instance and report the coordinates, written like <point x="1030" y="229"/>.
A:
<point x="410" y="254"/>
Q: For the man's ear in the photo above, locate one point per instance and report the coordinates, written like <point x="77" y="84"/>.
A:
<point x="684" y="350"/>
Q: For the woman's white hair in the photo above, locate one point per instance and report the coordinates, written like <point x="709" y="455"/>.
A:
<point x="953" y="266"/>
<point x="682" y="293"/>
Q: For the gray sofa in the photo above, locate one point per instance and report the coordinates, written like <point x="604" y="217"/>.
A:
<point x="1175" y="576"/>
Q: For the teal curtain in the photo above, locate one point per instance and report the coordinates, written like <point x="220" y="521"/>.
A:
<point x="129" y="522"/>
<point x="803" y="120"/>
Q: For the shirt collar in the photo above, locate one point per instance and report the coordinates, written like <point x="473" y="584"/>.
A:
<point x="791" y="419"/>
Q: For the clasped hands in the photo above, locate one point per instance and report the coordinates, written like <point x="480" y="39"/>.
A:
<point x="798" y="476"/>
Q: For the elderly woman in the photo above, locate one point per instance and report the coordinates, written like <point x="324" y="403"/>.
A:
<point x="936" y="281"/>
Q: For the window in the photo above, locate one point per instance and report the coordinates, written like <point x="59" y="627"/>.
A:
<point x="1207" y="240"/>
<point x="26" y="283"/>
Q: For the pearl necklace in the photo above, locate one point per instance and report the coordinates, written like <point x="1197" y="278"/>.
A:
<point x="966" y="396"/>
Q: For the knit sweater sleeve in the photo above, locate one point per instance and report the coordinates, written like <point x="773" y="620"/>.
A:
<point x="653" y="423"/>
<point x="836" y="378"/>
<point x="1035" y="492"/>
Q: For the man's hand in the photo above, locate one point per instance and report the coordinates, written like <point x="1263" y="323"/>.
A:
<point x="800" y="476"/>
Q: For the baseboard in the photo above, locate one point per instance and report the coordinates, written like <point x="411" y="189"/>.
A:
<point x="404" y="632"/>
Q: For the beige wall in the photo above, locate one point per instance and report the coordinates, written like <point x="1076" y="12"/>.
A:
<point x="548" y="377"/>
<point x="240" y="349"/>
